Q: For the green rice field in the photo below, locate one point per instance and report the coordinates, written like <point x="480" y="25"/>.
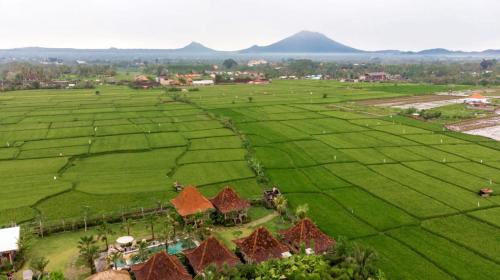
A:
<point x="404" y="187"/>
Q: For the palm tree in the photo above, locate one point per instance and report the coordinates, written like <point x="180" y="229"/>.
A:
<point x="88" y="251"/>
<point x="173" y="219"/>
<point x="151" y="221"/>
<point x="39" y="265"/>
<point x="301" y="211"/>
<point x="142" y="251"/>
<point x="363" y="258"/>
<point x="281" y="204"/>
<point x="103" y="231"/>
<point x="166" y="234"/>
<point x="115" y="257"/>
<point x="127" y="225"/>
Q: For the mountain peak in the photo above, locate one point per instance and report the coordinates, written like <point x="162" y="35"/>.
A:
<point x="195" y="47"/>
<point x="304" y="42"/>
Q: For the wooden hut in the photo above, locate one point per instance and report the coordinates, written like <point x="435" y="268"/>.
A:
<point x="161" y="266"/>
<point x="190" y="202"/>
<point x="307" y="233"/>
<point x="210" y="251"/>
<point x="260" y="246"/>
<point x="485" y="192"/>
<point x="269" y="196"/>
<point x="230" y="205"/>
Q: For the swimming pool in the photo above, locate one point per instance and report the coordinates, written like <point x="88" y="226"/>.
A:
<point x="173" y="248"/>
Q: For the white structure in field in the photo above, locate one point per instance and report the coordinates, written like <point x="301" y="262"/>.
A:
<point x="9" y="238"/>
<point x="476" y="99"/>
<point x="203" y="83"/>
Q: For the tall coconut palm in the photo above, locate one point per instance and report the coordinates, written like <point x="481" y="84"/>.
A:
<point x="151" y="221"/>
<point x="88" y="251"/>
<point x="127" y="225"/>
<point x="103" y="231"/>
<point x="166" y="234"/>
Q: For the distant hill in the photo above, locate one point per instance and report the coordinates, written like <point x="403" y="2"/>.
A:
<point x="195" y="47"/>
<point x="303" y="42"/>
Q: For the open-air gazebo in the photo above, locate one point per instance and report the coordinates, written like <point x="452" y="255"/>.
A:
<point x="9" y="239"/>
<point x="230" y="205"/>
<point x="306" y="233"/>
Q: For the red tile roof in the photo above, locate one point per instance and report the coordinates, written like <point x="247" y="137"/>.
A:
<point x="190" y="201"/>
<point x="228" y="201"/>
<point x="161" y="266"/>
<point x="305" y="232"/>
<point x="476" y="95"/>
<point x="210" y="251"/>
<point x="261" y="246"/>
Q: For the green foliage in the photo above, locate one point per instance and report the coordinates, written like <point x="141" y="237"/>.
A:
<point x="39" y="265"/>
<point x="88" y="251"/>
<point x="229" y="63"/>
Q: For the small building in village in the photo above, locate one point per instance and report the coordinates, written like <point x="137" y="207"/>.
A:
<point x="374" y="77"/>
<point x="476" y="99"/>
<point x="260" y="246"/>
<point x="161" y="266"/>
<point x="9" y="244"/>
<point x="229" y="204"/>
<point x="203" y="83"/>
<point x="306" y="233"/>
<point x="190" y="202"/>
<point x="210" y="252"/>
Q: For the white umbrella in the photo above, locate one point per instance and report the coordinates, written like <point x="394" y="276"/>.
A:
<point x="124" y="240"/>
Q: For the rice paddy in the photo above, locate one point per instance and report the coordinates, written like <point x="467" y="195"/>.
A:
<point x="405" y="187"/>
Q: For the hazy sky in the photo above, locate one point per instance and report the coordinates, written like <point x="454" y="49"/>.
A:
<point x="237" y="24"/>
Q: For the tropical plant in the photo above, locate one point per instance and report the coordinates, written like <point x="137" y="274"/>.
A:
<point x="281" y="204"/>
<point x="103" y="231"/>
<point x="142" y="251"/>
<point x="301" y="211"/>
<point x="151" y="221"/>
<point x="166" y="233"/>
<point x="38" y="265"/>
<point x="127" y="224"/>
<point x="115" y="257"/>
<point x="56" y="275"/>
<point x="88" y="251"/>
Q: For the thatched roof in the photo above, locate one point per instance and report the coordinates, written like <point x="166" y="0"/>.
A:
<point x="111" y="275"/>
<point x="161" y="266"/>
<point x="260" y="246"/>
<point x="228" y="201"/>
<point x="210" y="251"/>
<point x="190" y="201"/>
<point x="306" y="232"/>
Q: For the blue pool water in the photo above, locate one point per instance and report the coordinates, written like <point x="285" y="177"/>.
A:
<point x="173" y="248"/>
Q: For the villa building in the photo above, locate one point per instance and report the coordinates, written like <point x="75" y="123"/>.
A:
<point x="190" y="202"/>
<point x="307" y="233"/>
<point x="476" y="99"/>
<point x="260" y="246"/>
<point x="230" y="205"/>
<point x="161" y="266"/>
<point x="210" y="251"/>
